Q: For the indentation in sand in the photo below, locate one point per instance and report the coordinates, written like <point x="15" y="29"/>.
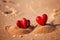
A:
<point x="17" y="31"/>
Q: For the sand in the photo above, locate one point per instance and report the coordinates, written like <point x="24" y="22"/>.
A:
<point x="12" y="10"/>
<point x="14" y="30"/>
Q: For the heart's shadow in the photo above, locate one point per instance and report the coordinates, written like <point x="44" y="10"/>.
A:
<point x="50" y="27"/>
<point x="32" y="27"/>
<point x="54" y="25"/>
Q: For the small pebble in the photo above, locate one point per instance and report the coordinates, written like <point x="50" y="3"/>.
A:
<point x="20" y="36"/>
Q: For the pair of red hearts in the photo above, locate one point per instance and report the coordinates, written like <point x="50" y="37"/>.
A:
<point x="24" y="23"/>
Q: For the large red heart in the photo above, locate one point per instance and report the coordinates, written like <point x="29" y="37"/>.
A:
<point x="24" y="23"/>
<point x="41" y="19"/>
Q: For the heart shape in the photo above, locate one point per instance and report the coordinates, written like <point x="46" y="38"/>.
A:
<point x="41" y="19"/>
<point x="24" y="23"/>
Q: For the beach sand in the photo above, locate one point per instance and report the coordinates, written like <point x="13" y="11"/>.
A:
<point x="13" y="10"/>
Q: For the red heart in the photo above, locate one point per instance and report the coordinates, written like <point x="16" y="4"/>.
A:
<point x="24" y="23"/>
<point x="41" y="20"/>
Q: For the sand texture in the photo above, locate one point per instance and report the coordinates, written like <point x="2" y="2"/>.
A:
<point x="13" y="10"/>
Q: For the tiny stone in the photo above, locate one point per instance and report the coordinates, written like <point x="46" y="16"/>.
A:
<point x="20" y="36"/>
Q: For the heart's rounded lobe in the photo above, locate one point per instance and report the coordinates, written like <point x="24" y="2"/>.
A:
<point x="41" y="19"/>
<point x="24" y="23"/>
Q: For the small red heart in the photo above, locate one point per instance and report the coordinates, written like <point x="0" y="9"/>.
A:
<point x="19" y="23"/>
<point x="41" y="20"/>
<point x="24" y="23"/>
